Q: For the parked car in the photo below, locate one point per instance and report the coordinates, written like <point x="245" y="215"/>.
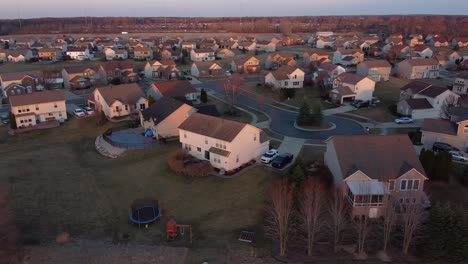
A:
<point x="269" y="156"/>
<point x="355" y="102"/>
<point x="88" y="110"/>
<point x="362" y="104"/>
<point x="228" y="73"/>
<point x="78" y="112"/>
<point x="188" y="78"/>
<point x="404" y="120"/>
<point x="282" y="160"/>
<point x="375" y="100"/>
<point x="440" y="146"/>
<point x="5" y="119"/>
<point x="458" y="156"/>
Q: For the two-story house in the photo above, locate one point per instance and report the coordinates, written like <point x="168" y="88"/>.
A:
<point x="50" y="54"/>
<point x="143" y="53"/>
<point x="206" y="69"/>
<point x="226" y="144"/>
<point x="460" y="84"/>
<point x="31" y="109"/>
<point x="115" y="54"/>
<point x="247" y="45"/>
<point x="248" y="64"/>
<point x="202" y="55"/>
<point x="370" y="169"/>
<point x="19" y="55"/>
<point x="266" y="46"/>
<point x="314" y="56"/>
<point x="352" y="87"/>
<point x="327" y="72"/>
<point x="119" y="100"/>
<point x="165" y="116"/>
<point x="78" y="53"/>
<point x="446" y="131"/>
<point x="274" y="61"/>
<point x="113" y="71"/>
<point x="418" y="69"/>
<point x="324" y="42"/>
<point x="164" y="69"/>
<point x="79" y="77"/>
<point x="424" y="100"/>
<point x="14" y="83"/>
<point x="348" y="56"/>
<point x="285" y="77"/>
<point x="377" y="70"/>
<point x="181" y="90"/>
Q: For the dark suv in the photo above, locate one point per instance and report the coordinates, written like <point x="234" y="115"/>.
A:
<point x="439" y="146"/>
<point x="282" y="160"/>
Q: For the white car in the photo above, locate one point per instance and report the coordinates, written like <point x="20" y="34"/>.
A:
<point x="88" y="110"/>
<point x="269" y="156"/>
<point x="404" y="120"/>
<point x="458" y="156"/>
<point x="228" y="73"/>
<point x="79" y="112"/>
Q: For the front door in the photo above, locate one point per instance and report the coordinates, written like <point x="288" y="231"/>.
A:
<point x="207" y="155"/>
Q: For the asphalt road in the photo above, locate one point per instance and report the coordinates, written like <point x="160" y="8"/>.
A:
<point x="282" y="121"/>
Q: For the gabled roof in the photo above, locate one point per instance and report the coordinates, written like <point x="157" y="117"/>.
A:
<point x="114" y="66"/>
<point x="440" y="126"/>
<point x="214" y="127"/>
<point x="16" y="76"/>
<point x="243" y="60"/>
<point x="175" y="89"/>
<point x="349" y="51"/>
<point x="125" y="93"/>
<point x="37" y="98"/>
<point x="76" y="49"/>
<point x="161" y="109"/>
<point x="17" y="52"/>
<point x="318" y="52"/>
<point x="379" y="157"/>
<point x="203" y="50"/>
<point x="376" y="64"/>
<point x="205" y="65"/>
<point x="421" y="62"/>
<point x="418" y="103"/>
<point x="423" y="88"/>
<point x="350" y="78"/>
<point x="78" y="69"/>
<point x="283" y="72"/>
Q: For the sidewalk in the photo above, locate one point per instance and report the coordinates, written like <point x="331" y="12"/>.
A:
<point x="338" y="110"/>
<point x="292" y="145"/>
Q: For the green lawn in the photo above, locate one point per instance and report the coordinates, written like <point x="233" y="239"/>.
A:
<point x="388" y="93"/>
<point x="403" y="130"/>
<point x="58" y="183"/>
<point x="223" y="107"/>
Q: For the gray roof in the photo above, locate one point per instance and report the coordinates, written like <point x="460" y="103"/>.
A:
<point x="161" y="109"/>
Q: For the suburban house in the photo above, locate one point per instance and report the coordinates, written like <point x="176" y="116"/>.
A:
<point x="424" y="100"/>
<point x="314" y="56"/>
<point x="165" y="116"/>
<point x="226" y="144"/>
<point x="446" y="131"/>
<point x="3" y="55"/>
<point x="206" y="69"/>
<point x="418" y="69"/>
<point x="327" y="72"/>
<point x="439" y="41"/>
<point x="50" y="54"/>
<point x="117" y="71"/>
<point x="415" y="40"/>
<point x="31" y="109"/>
<point x="78" y="53"/>
<point x="19" y="55"/>
<point x="247" y="45"/>
<point x="165" y="69"/>
<point x="143" y="53"/>
<point x="116" y="54"/>
<point x="324" y="42"/>
<point x="202" y="55"/>
<point x="377" y="70"/>
<point x="446" y="58"/>
<point x="460" y="41"/>
<point x="14" y="83"/>
<point x="287" y="77"/>
<point x="79" y="77"/>
<point x="225" y="53"/>
<point x="181" y="90"/>
<point x="458" y="113"/>
<point x="370" y="168"/>
<point x="119" y="100"/>
<point x="460" y="84"/>
<point x="274" y="61"/>
<point x="348" y="56"/>
<point x="209" y="45"/>
<point x="353" y="87"/>
<point x="248" y="64"/>
<point x="266" y="46"/>
<point x="188" y="45"/>
<point x="422" y="51"/>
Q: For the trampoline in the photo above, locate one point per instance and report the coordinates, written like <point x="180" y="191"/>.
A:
<point x="144" y="211"/>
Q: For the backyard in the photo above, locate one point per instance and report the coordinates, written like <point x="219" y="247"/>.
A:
<point x="68" y="187"/>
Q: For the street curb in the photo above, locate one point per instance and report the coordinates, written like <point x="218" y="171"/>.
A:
<point x="333" y="126"/>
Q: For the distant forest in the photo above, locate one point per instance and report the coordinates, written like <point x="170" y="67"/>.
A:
<point x="406" y="24"/>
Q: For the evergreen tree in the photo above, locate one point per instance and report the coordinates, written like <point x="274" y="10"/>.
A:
<point x="304" y="117"/>
<point x="317" y="115"/>
<point x="12" y="119"/>
<point x="298" y="173"/>
<point x="447" y="235"/>
<point x="203" y="96"/>
<point x="151" y="100"/>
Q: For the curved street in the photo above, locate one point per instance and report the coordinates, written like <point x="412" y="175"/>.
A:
<point x="282" y="120"/>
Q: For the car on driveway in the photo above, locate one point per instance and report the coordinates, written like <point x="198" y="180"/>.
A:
<point x="78" y="112"/>
<point x="88" y="110"/>
<point x="269" y="156"/>
<point x="458" y="156"/>
<point x="440" y="146"/>
<point x="282" y="160"/>
<point x="4" y="118"/>
<point x="360" y="104"/>
<point x="404" y="120"/>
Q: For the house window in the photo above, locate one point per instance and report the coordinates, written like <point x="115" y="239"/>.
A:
<point x="392" y="185"/>
<point x="295" y="83"/>
<point x="217" y="145"/>
<point x="403" y="185"/>
<point x="185" y="135"/>
<point x="406" y="185"/>
<point x="37" y="107"/>
<point x="237" y="158"/>
<point x="60" y="114"/>
<point x="199" y="149"/>
<point x="206" y="141"/>
<point x="126" y="107"/>
<point x="142" y="106"/>
<point x="50" y="114"/>
<point x="55" y="106"/>
<point x="255" y="137"/>
<point x="285" y="83"/>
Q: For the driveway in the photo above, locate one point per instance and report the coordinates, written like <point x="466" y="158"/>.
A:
<point x="282" y="121"/>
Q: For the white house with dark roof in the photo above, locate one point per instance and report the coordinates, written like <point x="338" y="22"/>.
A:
<point x="445" y="131"/>
<point x="31" y="109"/>
<point x="202" y="55"/>
<point x="327" y="72"/>
<point x="78" y="53"/>
<point x="181" y="90"/>
<point x="286" y="77"/>
<point x="418" y="69"/>
<point x="460" y="84"/>
<point x="352" y="87"/>
<point x="226" y="144"/>
<point x="348" y="56"/>
<point x="377" y="70"/>
<point x="119" y="100"/>
<point x="369" y="169"/>
<point x="14" y="83"/>
<point x="423" y="100"/>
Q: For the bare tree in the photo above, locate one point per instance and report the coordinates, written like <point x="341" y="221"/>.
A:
<point x="311" y="207"/>
<point x="232" y="86"/>
<point x="279" y="212"/>
<point x="389" y="216"/>
<point x="338" y="211"/>
<point x="449" y="102"/>
<point x="285" y="27"/>
<point x="9" y="251"/>
<point x="412" y="215"/>
<point x="362" y="225"/>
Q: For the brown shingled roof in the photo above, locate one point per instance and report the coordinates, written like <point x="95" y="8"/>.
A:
<point x="210" y="126"/>
<point x="377" y="64"/>
<point x="125" y="93"/>
<point x="282" y="72"/>
<point x="14" y="76"/>
<point x="37" y="98"/>
<point x="421" y="62"/>
<point x="439" y="126"/>
<point x="174" y="88"/>
<point x="350" y="78"/>
<point x="379" y="157"/>
<point x="418" y="103"/>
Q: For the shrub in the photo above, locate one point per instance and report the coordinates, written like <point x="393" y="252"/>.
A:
<point x="393" y="109"/>
<point x="182" y="162"/>
<point x="287" y="93"/>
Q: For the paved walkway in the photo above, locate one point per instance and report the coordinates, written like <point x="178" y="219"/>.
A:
<point x="338" y="110"/>
<point x="291" y="145"/>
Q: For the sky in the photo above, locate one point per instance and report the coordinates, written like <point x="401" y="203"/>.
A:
<point x="226" y="8"/>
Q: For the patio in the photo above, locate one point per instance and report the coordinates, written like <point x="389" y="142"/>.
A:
<point x="131" y="138"/>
